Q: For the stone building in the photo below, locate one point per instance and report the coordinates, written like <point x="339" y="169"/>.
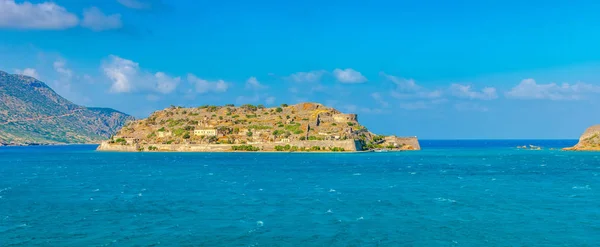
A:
<point x="343" y="118"/>
<point x="205" y="132"/>
<point x="163" y="134"/>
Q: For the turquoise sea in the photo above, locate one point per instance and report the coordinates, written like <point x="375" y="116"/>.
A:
<point x="453" y="193"/>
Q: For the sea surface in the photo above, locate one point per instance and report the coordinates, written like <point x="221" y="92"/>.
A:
<point x="452" y="193"/>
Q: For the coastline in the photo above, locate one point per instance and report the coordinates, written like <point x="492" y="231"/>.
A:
<point x="345" y="146"/>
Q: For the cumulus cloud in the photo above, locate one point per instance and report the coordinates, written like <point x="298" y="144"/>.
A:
<point x="166" y="84"/>
<point x="205" y="86"/>
<point x="348" y="76"/>
<point x="412" y="95"/>
<point x="94" y="19"/>
<point x="408" y="89"/>
<point x="121" y="72"/>
<point x="253" y="83"/>
<point x="529" y="89"/>
<point x="127" y="76"/>
<point x="465" y="91"/>
<point x="28" y="72"/>
<point x="307" y="77"/>
<point x="26" y="15"/>
<point x="135" y="4"/>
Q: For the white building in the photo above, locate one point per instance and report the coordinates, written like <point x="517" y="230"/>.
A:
<point x="205" y="132"/>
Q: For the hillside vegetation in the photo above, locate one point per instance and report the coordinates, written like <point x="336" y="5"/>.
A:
<point x="32" y="113"/>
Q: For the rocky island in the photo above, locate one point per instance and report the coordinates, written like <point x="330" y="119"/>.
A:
<point x="308" y="127"/>
<point x="589" y="140"/>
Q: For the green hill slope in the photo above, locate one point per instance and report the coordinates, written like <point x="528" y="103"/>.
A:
<point x="31" y="112"/>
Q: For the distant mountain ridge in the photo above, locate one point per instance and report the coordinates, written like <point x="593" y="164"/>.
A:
<point x="32" y="113"/>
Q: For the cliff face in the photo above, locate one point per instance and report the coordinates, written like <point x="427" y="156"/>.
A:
<point x="301" y="127"/>
<point x="589" y="140"/>
<point x="31" y="112"/>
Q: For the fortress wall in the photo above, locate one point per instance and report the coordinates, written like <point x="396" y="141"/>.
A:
<point x="343" y="118"/>
<point x="348" y="145"/>
<point x="412" y="141"/>
<point x="105" y="146"/>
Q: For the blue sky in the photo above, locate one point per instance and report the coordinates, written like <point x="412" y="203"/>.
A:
<point x="434" y="69"/>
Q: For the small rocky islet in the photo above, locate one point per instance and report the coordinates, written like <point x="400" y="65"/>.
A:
<point x="308" y="127"/>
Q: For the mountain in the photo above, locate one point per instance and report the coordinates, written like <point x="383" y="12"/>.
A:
<point x="589" y="140"/>
<point x="32" y="113"/>
<point x="300" y="127"/>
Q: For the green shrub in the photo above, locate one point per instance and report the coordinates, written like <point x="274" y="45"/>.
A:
<point x="278" y="109"/>
<point x="245" y="148"/>
<point x="259" y="127"/>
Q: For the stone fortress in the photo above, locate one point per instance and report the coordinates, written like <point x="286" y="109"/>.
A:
<point x="300" y="127"/>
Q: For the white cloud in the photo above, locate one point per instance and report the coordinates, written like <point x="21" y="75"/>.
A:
<point x="412" y="95"/>
<point x="94" y="19"/>
<point x="127" y="76"/>
<point x="465" y="91"/>
<point x="529" y="89"/>
<point x="26" y="15"/>
<point x="348" y="76"/>
<point x="402" y="84"/>
<point x="253" y="83"/>
<point x="408" y="89"/>
<point x="135" y="4"/>
<point x="205" y="86"/>
<point x="28" y="72"/>
<point x="307" y="77"/>
<point x="60" y="68"/>
<point x="65" y="75"/>
<point x="121" y="72"/>
<point x="166" y="84"/>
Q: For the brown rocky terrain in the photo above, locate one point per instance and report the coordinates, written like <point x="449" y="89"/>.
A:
<point x="300" y="127"/>
<point x="589" y="140"/>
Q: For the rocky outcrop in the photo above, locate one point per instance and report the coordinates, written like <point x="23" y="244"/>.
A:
<point x="300" y="127"/>
<point x="589" y="140"/>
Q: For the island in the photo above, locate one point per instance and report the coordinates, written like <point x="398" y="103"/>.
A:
<point x="304" y="127"/>
<point x="589" y="140"/>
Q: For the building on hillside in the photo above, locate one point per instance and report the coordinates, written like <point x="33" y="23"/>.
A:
<point x="205" y="132"/>
<point x="163" y="134"/>
<point x="285" y="140"/>
<point x="131" y="140"/>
